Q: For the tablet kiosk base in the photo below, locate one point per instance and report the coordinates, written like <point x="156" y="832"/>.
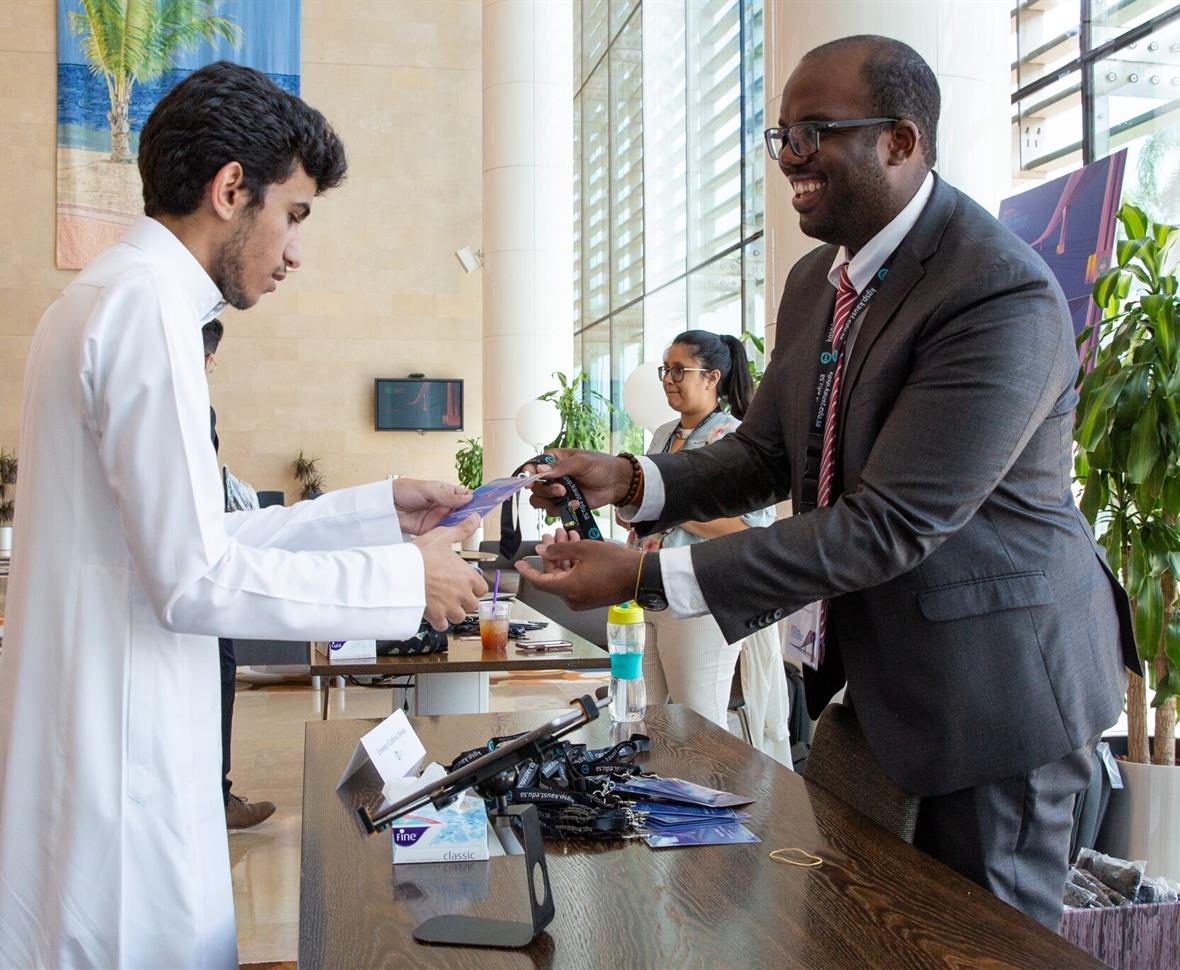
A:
<point x="505" y="934"/>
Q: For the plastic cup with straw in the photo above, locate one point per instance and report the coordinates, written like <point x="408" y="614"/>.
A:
<point x="493" y="620"/>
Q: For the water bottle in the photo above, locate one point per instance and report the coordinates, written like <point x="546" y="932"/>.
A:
<point x="624" y="639"/>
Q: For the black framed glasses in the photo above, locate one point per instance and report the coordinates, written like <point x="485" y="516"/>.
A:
<point x="803" y="136"/>
<point x="676" y="372"/>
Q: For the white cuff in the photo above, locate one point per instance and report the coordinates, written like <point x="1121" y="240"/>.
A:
<point x="653" y="495"/>
<point x="680" y="583"/>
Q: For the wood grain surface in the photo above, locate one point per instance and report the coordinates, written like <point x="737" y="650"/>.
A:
<point x="875" y="902"/>
<point x="465" y="656"/>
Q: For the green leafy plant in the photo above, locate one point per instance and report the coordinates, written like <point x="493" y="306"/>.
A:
<point x="585" y="414"/>
<point x="1128" y="438"/>
<point x="469" y="463"/>
<point x="756" y="356"/>
<point x="308" y="475"/>
<point x="8" y="468"/>
<point x="138" y="40"/>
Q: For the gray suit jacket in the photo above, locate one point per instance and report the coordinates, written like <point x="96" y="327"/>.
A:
<point x="971" y="612"/>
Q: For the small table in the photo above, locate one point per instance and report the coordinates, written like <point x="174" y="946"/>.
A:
<point x="456" y="682"/>
<point x="875" y="901"/>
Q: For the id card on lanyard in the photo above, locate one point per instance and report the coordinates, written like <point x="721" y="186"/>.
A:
<point x="802" y="627"/>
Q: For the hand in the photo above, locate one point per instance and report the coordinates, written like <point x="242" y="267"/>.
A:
<point x="421" y="505"/>
<point x="453" y="588"/>
<point x="599" y="573"/>
<point x="604" y="479"/>
<point x="560" y="535"/>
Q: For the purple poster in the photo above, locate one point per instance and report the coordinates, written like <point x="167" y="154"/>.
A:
<point x="1070" y="223"/>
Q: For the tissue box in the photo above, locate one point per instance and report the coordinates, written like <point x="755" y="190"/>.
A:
<point x="348" y="649"/>
<point x="457" y="833"/>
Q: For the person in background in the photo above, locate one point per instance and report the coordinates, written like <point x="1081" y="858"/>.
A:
<point x="706" y="378"/>
<point x="240" y="813"/>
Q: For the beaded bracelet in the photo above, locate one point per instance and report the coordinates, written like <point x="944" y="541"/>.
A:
<point x="636" y="481"/>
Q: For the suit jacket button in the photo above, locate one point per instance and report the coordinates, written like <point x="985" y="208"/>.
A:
<point x="779" y="614"/>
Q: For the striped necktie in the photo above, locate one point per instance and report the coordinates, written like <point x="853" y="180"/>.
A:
<point x="845" y="299"/>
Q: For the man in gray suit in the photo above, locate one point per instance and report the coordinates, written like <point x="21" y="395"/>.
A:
<point x="964" y="601"/>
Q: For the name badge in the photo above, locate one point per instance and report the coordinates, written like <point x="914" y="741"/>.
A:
<point x="802" y="637"/>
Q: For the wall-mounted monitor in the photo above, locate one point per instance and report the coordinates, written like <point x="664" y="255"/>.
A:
<point x="417" y="404"/>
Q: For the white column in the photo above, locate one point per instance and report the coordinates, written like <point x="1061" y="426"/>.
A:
<point x="527" y="215"/>
<point x="965" y="42"/>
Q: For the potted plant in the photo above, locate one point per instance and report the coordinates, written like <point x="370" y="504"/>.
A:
<point x="308" y="475"/>
<point x="583" y="423"/>
<point x="7" y="499"/>
<point x="585" y="415"/>
<point x="469" y="463"/>
<point x="1128" y="457"/>
<point x="469" y="468"/>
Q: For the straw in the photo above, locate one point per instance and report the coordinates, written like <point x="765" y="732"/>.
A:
<point x="496" y="589"/>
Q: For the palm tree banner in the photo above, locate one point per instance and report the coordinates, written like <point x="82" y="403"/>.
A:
<point x="115" y="60"/>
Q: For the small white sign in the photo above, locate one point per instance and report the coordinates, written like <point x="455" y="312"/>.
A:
<point x="392" y="747"/>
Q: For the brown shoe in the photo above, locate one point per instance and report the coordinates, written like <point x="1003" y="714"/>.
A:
<point x="241" y="814"/>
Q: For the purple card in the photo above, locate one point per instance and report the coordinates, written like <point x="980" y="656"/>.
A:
<point x="679" y="790"/>
<point x="488" y="496"/>
<point x="706" y="835"/>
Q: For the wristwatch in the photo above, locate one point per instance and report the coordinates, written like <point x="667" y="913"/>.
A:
<point x="650" y="592"/>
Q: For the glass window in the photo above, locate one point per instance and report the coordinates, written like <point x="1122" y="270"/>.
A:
<point x="1110" y="19"/>
<point x="1049" y="134"/>
<point x="626" y="336"/>
<point x="715" y="296"/>
<point x="626" y="180"/>
<point x="1152" y="176"/>
<point x="1137" y="90"/>
<point x="665" y="146"/>
<point x="620" y="10"/>
<point x="713" y="30"/>
<point x="753" y="106"/>
<point x="1091" y="77"/>
<point x="594" y="33"/>
<point x="1046" y="38"/>
<point x="595" y="197"/>
<point x="668" y="184"/>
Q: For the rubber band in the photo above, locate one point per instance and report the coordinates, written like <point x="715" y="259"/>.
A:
<point x="813" y="862"/>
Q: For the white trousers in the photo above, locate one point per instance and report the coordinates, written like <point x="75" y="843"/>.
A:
<point x="689" y="662"/>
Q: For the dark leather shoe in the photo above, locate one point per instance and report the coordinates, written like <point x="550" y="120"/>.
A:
<point x="241" y="814"/>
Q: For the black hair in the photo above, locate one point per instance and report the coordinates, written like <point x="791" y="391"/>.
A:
<point x="212" y="333"/>
<point x="900" y="84"/>
<point x="224" y="113"/>
<point x="724" y="353"/>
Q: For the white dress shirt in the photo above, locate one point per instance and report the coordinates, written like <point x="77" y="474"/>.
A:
<point x="680" y="582"/>
<point x="125" y="567"/>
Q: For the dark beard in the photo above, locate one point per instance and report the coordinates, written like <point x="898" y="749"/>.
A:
<point x="228" y="266"/>
<point x="861" y="211"/>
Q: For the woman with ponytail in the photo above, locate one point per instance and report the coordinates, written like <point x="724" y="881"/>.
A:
<point x="706" y="378"/>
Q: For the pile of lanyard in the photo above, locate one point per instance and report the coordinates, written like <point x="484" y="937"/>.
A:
<point x="571" y="789"/>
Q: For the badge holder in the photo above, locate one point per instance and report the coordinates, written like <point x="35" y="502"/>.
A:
<point x="494" y="774"/>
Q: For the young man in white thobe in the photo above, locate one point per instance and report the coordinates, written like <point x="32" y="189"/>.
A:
<point x="113" y="845"/>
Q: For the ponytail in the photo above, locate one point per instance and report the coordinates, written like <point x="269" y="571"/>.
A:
<point x="737" y="387"/>
<point x="728" y="355"/>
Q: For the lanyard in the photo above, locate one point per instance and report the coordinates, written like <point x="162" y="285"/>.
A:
<point x="830" y="356"/>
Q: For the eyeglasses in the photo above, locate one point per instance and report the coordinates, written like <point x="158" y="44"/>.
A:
<point x="803" y="136"/>
<point x="676" y="372"/>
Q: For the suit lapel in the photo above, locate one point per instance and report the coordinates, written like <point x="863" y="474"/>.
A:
<point x="904" y="272"/>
